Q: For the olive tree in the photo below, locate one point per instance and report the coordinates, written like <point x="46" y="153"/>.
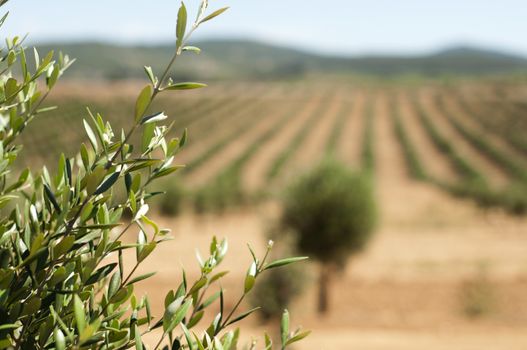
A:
<point x="332" y="213"/>
<point x="64" y="280"/>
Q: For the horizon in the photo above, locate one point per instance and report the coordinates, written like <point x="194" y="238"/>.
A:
<point x="346" y="28"/>
<point x="397" y="54"/>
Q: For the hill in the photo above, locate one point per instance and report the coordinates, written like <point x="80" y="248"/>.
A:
<point x="247" y="60"/>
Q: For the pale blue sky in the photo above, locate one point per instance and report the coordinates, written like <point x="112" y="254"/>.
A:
<point x="332" y="26"/>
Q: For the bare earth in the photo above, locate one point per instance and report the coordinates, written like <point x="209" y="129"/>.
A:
<point x="407" y="290"/>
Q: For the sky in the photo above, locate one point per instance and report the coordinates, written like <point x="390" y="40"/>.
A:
<point x="347" y="27"/>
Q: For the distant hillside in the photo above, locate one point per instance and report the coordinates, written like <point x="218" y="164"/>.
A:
<point x="247" y="60"/>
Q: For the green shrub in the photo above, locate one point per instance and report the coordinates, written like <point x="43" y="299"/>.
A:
<point x="413" y="161"/>
<point x="63" y="280"/>
<point x="222" y="193"/>
<point x="333" y="214"/>
<point x="278" y="288"/>
<point x="171" y="204"/>
<point x="368" y="141"/>
<point x="514" y="198"/>
<point x="480" y="141"/>
<point x="477" y="295"/>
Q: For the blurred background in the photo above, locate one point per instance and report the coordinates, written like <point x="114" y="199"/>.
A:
<point x="420" y="107"/>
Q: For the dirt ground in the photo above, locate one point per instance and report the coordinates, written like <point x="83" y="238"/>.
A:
<point x="405" y="292"/>
<point x="412" y="287"/>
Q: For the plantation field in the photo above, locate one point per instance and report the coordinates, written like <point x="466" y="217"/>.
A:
<point x="447" y="268"/>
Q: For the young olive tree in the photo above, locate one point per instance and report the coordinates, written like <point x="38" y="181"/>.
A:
<point x="332" y="213"/>
<point x="63" y="279"/>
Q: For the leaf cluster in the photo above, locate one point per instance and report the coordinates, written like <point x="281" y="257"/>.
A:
<point x="64" y="283"/>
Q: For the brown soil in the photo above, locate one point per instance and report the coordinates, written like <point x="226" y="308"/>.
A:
<point x="312" y="149"/>
<point x="349" y="147"/>
<point x="203" y="144"/>
<point x="263" y="121"/>
<point x="254" y="174"/>
<point x="433" y="161"/>
<point x="407" y="290"/>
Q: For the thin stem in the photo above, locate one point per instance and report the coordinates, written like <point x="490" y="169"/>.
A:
<point x="157" y="88"/>
<point x="200" y="299"/>
<point x="120" y="286"/>
<point x="232" y="312"/>
<point x="128" y="135"/>
<point x="30" y="114"/>
<point x="129" y="275"/>
<point x="160" y="340"/>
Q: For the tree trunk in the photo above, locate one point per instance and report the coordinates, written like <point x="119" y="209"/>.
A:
<point x="324" y="288"/>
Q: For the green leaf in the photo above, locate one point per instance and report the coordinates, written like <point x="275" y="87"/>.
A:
<point x="268" y="342"/>
<point x="283" y="262"/>
<point x="63" y="246"/>
<point x="284" y="327"/>
<point x="54" y="76"/>
<point x="210" y="300"/>
<point x="140" y="278"/>
<point x="145" y="252"/>
<point x="3" y="19"/>
<point x="171" y="311"/>
<point x="178" y="316"/>
<point x="51" y="197"/>
<point x="8" y="326"/>
<point x="11" y="88"/>
<point x="78" y="310"/>
<point x="298" y="337"/>
<point x="60" y="340"/>
<point x="143" y="101"/>
<point x="188" y="337"/>
<point x="194" y="49"/>
<point x="153" y="118"/>
<point x="213" y="15"/>
<point x="4" y="200"/>
<point x="250" y="278"/>
<point x="115" y="283"/>
<point x="94" y="179"/>
<point x="88" y="331"/>
<point x="150" y="74"/>
<point x="185" y="86"/>
<point x="167" y="171"/>
<point x="148" y="134"/>
<point x="138" y="341"/>
<point x="85" y="156"/>
<point x="31" y="306"/>
<point x="195" y="320"/>
<point x="105" y="186"/>
<point x="243" y="315"/>
<point x="218" y="276"/>
<point x="198" y="285"/>
<point x="184" y="137"/>
<point x="11" y="58"/>
<point x="101" y="273"/>
<point x="181" y="25"/>
<point x="141" y="242"/>
<point x="86" y="211"/>
<point x="91" y="135"/>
